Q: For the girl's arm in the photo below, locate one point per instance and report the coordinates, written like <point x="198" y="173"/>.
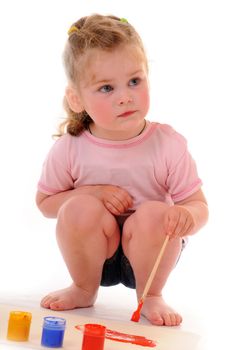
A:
<point x="114" y="198"/>
<point x="50" y="204"/>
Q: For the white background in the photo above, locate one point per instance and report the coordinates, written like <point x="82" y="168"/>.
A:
<point x="185" y="43"/>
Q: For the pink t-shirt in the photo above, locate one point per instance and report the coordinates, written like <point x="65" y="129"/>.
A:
<point x="155" y="165"/>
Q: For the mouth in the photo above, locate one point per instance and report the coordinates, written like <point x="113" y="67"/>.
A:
<point x="126" y="114"/>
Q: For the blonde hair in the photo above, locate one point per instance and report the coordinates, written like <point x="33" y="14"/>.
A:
<point x="92" y="32"/>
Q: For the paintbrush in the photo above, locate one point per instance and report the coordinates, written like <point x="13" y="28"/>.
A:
<point x="136" y="315"/>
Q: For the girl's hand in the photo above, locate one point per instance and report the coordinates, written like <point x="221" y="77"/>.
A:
<point x="115" y="199"/>
<point x="178" y="221"/>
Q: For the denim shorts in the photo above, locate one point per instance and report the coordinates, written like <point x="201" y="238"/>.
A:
<point x="117" y="269"/>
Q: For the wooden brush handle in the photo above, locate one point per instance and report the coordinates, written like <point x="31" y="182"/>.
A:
<point x="153" y="272"/>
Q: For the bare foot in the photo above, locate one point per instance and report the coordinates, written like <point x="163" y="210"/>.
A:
<point x="68" y="299"/>
<point x="159" y="313"/>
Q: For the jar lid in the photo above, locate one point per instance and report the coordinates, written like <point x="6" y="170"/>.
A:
<point x="51" y="322"/>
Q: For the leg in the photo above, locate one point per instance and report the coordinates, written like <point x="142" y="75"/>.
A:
<point x="143" y="236"/>
<point x="87" y="235"/>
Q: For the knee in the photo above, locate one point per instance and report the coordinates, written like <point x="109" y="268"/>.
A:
<point x="147" y="222"/>
<point x="80" y="212"/>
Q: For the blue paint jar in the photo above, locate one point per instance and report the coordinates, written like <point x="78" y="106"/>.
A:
<point x="53" y="332"/>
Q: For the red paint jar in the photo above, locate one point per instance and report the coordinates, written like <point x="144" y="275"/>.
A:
<point x="93" y="337"/>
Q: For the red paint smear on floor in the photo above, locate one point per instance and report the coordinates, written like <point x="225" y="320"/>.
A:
<point x="124" y="338"/>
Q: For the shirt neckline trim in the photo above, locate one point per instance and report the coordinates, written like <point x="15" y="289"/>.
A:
<point x="124" y="143"/>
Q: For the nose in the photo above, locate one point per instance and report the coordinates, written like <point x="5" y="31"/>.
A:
<point x="124" y="98"/>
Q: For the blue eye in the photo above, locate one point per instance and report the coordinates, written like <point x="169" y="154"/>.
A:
<point x="106" y="88"/>
<point x="134" y="81"/>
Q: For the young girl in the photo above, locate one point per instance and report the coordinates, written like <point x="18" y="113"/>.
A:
<point x="116" y="182"/>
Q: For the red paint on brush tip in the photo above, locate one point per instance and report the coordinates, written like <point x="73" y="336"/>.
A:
<point x="136" y="315"/>
<point x="122" y="337"/>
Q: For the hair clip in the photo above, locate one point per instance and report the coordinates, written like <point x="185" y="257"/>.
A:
<point x="72" y="30"/>
<point x="124" y="20"/>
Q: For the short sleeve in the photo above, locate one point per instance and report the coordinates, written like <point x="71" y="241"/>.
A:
<point x="56" y="175"/>
<point x="182" y="179"/>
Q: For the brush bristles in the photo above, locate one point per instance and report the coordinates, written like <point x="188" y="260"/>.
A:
<point x="136" y="316"/>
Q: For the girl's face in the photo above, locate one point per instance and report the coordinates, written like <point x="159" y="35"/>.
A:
<point x="114" y="92"/>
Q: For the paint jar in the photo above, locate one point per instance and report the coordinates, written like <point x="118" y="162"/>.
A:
<point x="53" y="332"/>
<point x="93" y="337"/>
<point x="19" y="325"/>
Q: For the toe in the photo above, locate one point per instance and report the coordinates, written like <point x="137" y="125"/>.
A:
<point x="167" y="319"/>
<point x="47" y="301"/>
<point x="60" y="305"/>
<point x="178" y="319"/>
<point x="44" y="300"/>
<point x="172" y="319"/>
<point x="156" y="319"/>
<point x="57" y="305"/>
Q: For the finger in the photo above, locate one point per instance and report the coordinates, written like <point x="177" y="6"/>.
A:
<point x="172" y="223"/>
<point x="112" y="208"/>
<point x="184" y="227"/>
<point x="180" y="227"/>
<point x="124" y="197"/>
<point x="189" y="226"/>
<point x="119" y="204"/>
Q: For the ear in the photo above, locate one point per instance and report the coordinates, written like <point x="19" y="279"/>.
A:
<point x="73" y="99"/>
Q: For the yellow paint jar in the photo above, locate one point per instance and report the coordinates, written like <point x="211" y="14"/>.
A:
<point x="19" y="325"/>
